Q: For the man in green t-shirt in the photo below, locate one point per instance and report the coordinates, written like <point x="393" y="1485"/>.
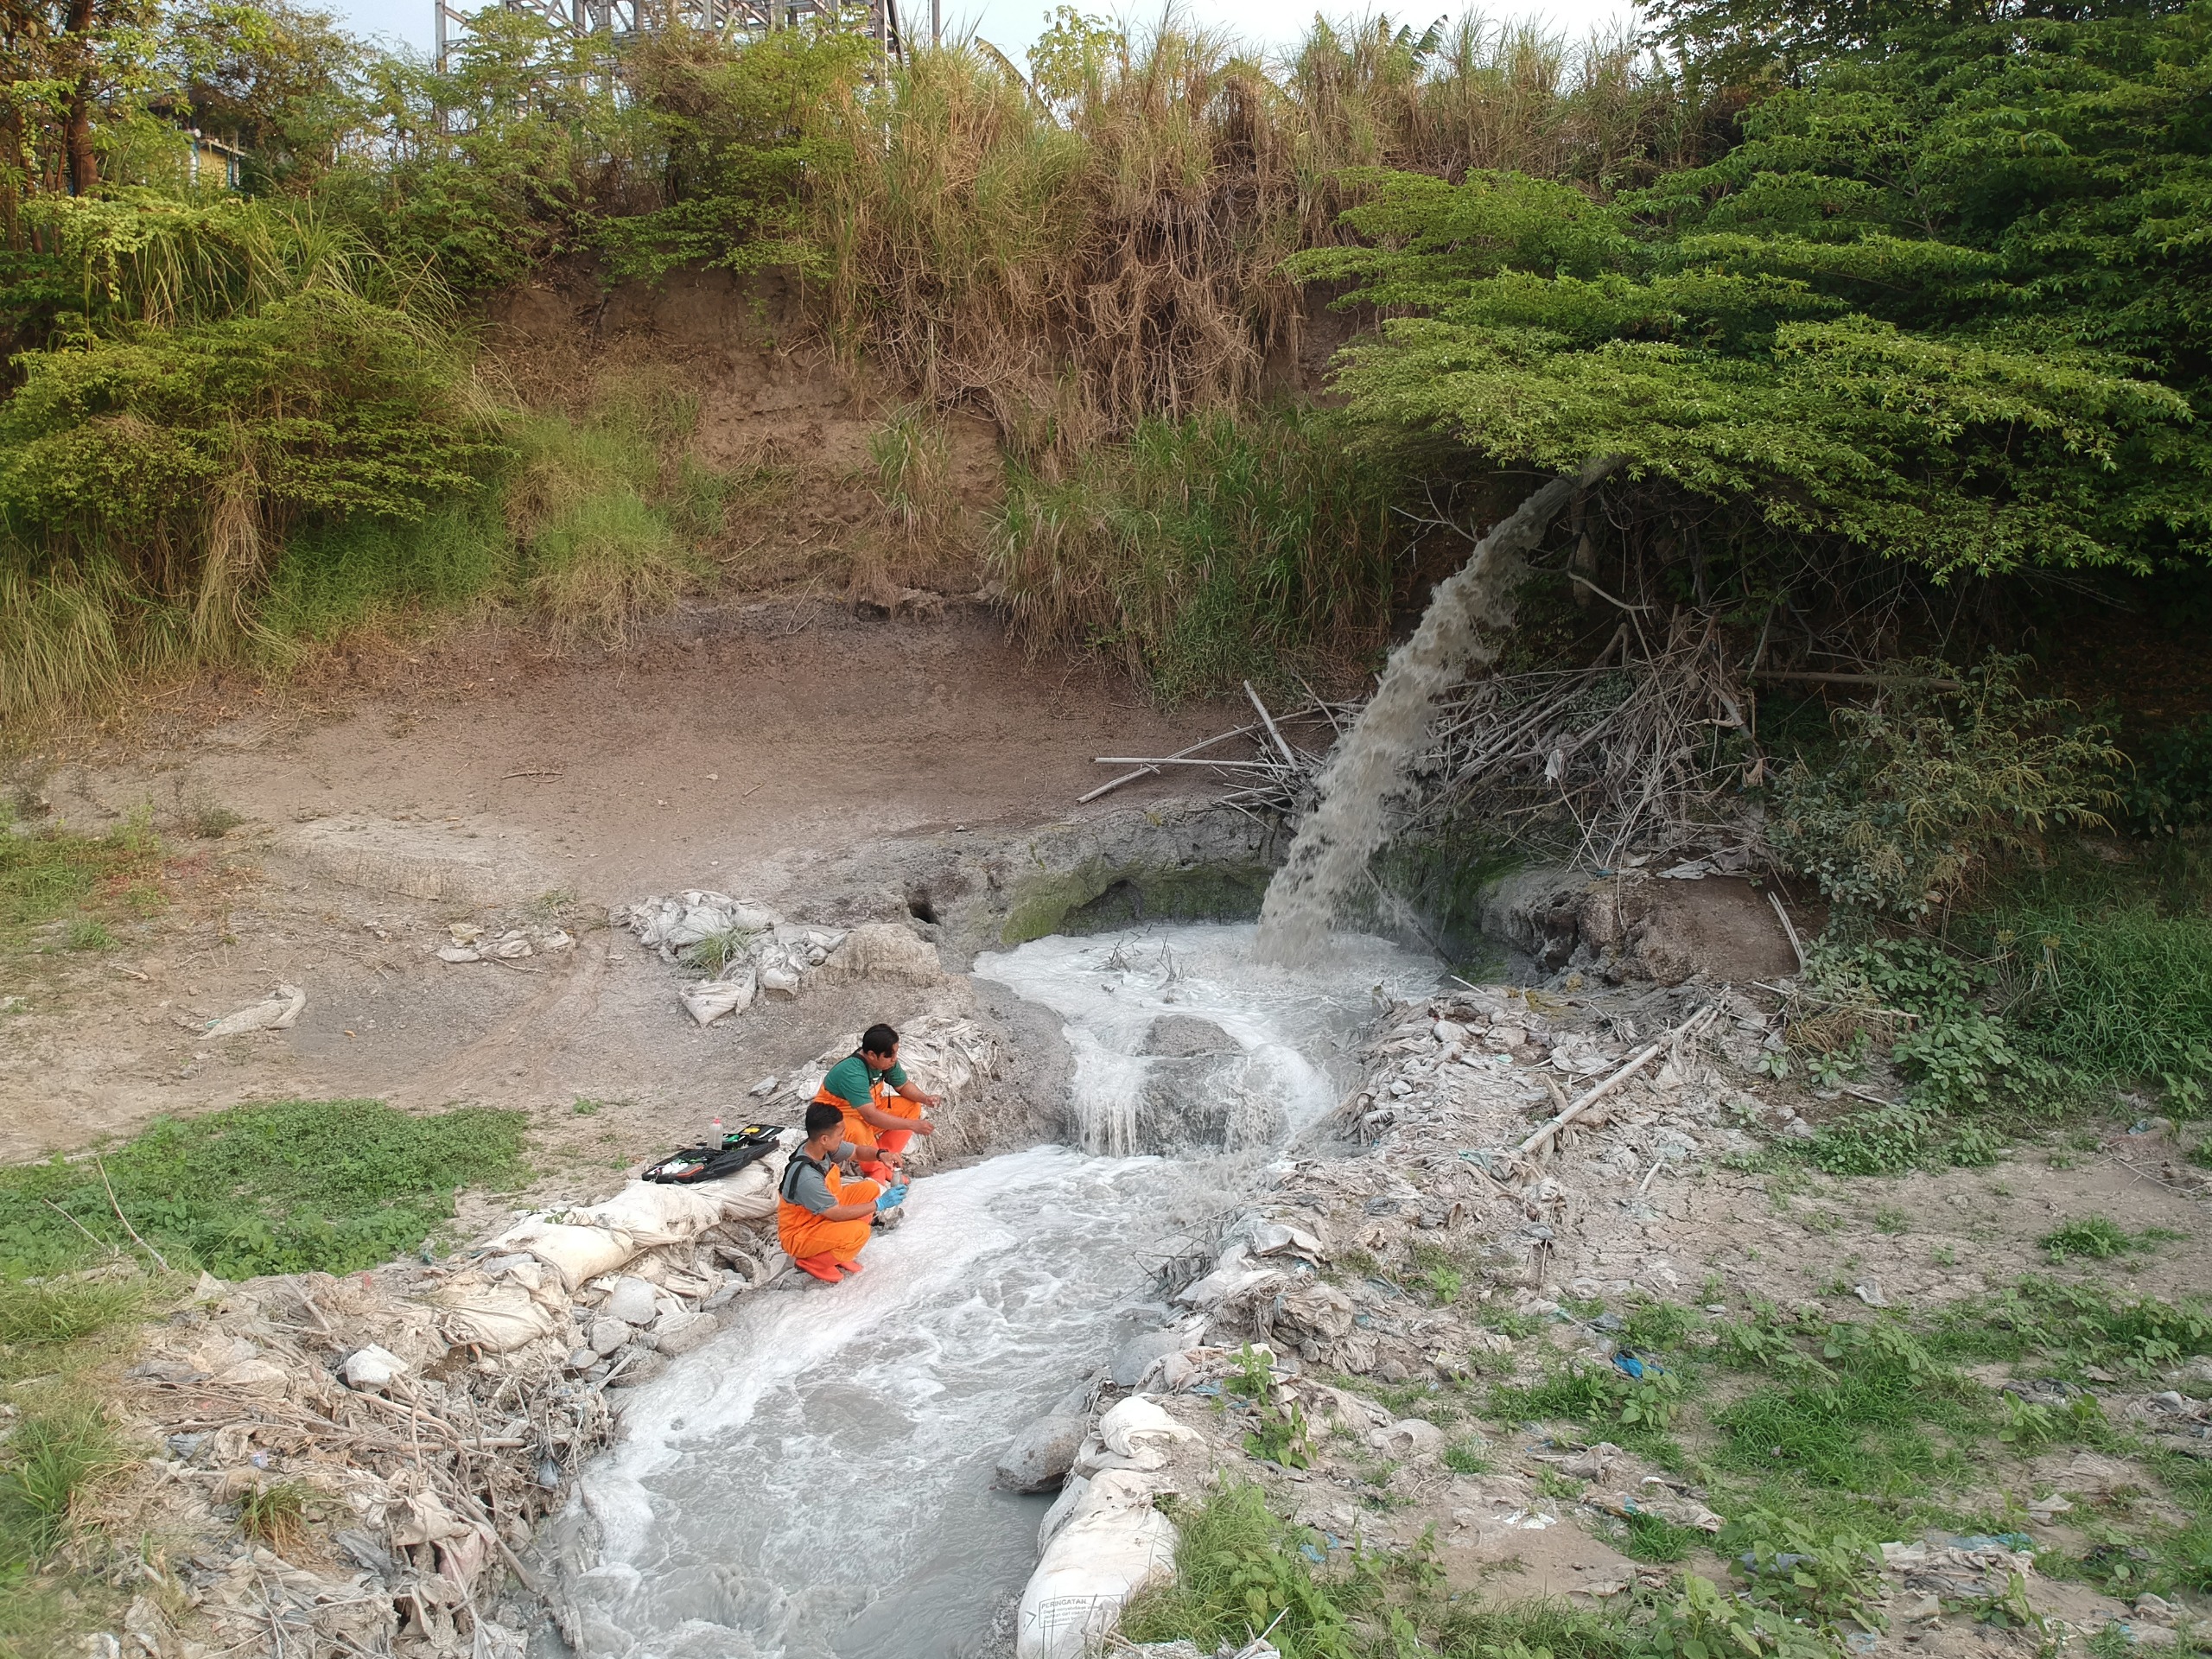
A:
<point x="880" y="1123"/>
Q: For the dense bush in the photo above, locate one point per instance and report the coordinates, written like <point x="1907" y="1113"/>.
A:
<point x="1927" y="782"/>
<point x="1204" y="550"/>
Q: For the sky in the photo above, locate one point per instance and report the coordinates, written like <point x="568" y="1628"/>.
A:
<point x="1012" y="24"/>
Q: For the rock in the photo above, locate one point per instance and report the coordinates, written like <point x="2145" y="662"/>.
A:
<point x="1449" y="1032"/>
<point x="1134" y="1358"/>
<point x="679" y="1333"/>
<point x="631" y="1301"/>
<point x="881" y="953"/>
<point x="584" y="1359"/>
<point x="1183" y="1036"/>
<point x="1409" y="1438"/>
<point x="605" y="1335"/>
<point x="1798" y="1129"/>
<point x="372" y="1368"/>
<point x="1041" y="1455"/>
<point x="643" y="1366"/>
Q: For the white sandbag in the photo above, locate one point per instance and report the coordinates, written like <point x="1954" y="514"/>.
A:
<point x="653" y="1212"/>
<point x="577" y="1254"/>
<point x="1112" y="1545"/>
<point x="1139" y="1430"/>
<point x="496" y="1319"/>
<point x="276" y="1012"/>
<point x="779" y="979"/>
<point x="750" y="1195"/>
<point x="1063" y="1506"/>
<point x="671" y="924"/>
<point x="708" y="1000"/>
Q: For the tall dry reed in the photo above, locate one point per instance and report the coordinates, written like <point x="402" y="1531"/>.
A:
<point x="1070" y="271"/>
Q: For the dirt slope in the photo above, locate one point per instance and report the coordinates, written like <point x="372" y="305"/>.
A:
<point x="744" y="749"/>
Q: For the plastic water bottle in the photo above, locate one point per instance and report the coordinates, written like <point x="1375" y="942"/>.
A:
<point x="715" y="1134"/>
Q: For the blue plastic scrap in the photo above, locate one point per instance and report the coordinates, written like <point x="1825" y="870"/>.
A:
<point x="1629" y="1365"/>
<point x="1988" y="1540"/>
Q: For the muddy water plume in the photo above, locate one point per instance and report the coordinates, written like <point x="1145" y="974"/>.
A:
<point x="1350" y="822"/>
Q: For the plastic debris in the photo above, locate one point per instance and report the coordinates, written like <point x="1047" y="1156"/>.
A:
<point x="278" y="1011"/>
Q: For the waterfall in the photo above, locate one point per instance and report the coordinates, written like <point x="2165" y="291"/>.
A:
<point x="1350" y="822"/>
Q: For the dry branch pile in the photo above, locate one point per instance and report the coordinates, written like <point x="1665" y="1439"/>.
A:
<point x="1631" y="757"/>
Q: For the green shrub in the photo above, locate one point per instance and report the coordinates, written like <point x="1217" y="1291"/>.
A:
<point x="2124" y="994"/>
<point x="1926" y="784"/>
<point x="1205" y="552"/>
<point x="2170" y="787"/>
<point x="285" y="1188"/>
<point x="1241" y="1569"/>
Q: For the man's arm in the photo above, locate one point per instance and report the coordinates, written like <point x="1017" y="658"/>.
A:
<point x="913" y="1092"/>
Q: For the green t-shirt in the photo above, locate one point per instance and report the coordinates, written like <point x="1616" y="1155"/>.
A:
<point x="853" y="1079"/>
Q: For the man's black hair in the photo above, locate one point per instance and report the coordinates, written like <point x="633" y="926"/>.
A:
<point x="820" y="1115"/>
<point x="878" y="1039"/>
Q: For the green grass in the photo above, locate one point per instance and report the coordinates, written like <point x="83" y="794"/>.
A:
<point x="2097" y="1238"/>
<point x="48" y="876"/>
<point x="1205" y="551"/>
<point x="284" y="1187"/>
<point x="1648" y="1538"/>
<point x="44" y="1315"/>
<point x="54" y="1452"/>
<point x="2123" y="995"/>
<point x="1468" y="1455"/>
<point x="334" y="579"/>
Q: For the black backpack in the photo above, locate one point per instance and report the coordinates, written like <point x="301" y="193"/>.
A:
<point x="739" y="1147"/>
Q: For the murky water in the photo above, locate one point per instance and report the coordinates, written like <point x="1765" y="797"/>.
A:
<point x="816" y="1481"/>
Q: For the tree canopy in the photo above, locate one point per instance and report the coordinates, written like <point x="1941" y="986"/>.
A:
<point x="1949" y="299"/>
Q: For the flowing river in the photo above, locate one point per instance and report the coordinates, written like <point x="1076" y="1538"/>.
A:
<point x="816" y="1480"/>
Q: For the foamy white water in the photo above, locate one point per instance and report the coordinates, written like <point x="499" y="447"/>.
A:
<point x="816" y="1480"/>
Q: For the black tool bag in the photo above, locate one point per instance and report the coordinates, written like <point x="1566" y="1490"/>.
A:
<point x="739" y="1148"/>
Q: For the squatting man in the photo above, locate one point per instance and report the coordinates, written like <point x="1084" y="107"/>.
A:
<point x="850" y="1177"/>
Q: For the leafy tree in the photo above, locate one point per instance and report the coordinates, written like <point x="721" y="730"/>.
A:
<point x="278" y="82"/>
<point x="729" y="133"/>
<point x="1947" y="304"/>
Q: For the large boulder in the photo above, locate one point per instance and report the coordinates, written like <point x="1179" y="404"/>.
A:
<point x="881" y="953"/>
<point x="1041" y="1455"/>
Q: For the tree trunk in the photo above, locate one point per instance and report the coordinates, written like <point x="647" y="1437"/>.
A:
<point x="84" y="166"/>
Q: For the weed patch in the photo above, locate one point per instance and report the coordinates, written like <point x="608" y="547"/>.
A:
<point x="58" y="1449"/>
<point x="2099" y="1238"/>
<point x="44" y="878"/>
<point x="286" y="1188"/>
<point x="1203" y="552"/>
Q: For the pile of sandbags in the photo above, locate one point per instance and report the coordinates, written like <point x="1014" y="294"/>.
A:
<point x="758" y="952"/>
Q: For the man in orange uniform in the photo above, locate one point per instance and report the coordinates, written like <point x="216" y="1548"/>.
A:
<point x="823" y="1220"/>
<point x="878" y="1122"/>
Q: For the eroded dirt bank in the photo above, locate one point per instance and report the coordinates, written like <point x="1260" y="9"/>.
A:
<point x="807" y="757"/>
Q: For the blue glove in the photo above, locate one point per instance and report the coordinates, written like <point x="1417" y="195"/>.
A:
<point x="892" y="1198"/>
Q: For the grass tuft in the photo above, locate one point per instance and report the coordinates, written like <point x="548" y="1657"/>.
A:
<point x="1203" y="552"/>
<point x="288" y="1186"/>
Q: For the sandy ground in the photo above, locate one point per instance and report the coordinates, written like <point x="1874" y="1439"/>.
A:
<point x="747" y="749"/>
